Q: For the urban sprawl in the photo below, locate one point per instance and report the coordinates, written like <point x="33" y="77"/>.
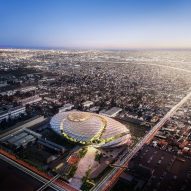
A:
<point x="136" y="89"/>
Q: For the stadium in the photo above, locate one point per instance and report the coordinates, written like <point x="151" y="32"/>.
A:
<point x="90" y="129"/>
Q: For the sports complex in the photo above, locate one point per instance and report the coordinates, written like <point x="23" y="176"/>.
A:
<point x="90" y="129"/>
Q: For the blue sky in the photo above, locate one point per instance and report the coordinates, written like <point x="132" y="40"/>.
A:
<point x="95" y="23"/>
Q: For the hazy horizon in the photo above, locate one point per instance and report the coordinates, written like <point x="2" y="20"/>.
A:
<point x="108" y="24"/>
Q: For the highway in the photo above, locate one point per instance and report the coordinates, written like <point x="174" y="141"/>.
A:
<point x="108" y="181"/>
<point x="49" y="182"/>
<point x="29" y="172"/>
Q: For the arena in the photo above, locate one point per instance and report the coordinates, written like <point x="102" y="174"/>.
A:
<point x="90" y="129"/>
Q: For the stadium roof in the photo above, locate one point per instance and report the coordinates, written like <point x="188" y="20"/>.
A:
<point x="90" y="128"/>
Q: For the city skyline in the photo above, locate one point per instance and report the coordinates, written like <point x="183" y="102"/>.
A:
<point x="96" y="24"/>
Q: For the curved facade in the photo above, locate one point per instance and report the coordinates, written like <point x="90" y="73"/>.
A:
<point x="90" y="128"/>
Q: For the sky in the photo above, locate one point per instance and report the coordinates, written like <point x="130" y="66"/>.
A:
<point x="104" y="24"/>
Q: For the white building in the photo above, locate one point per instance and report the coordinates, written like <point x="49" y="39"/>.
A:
<point x="66" y="107"/>
<point x="113" y="112"/>
<point x="30" y="100"/>
<point x="28" y="89"/>
<point x="53" y="100"/>
<point x="8" y="92"/>
<point x="12" y="113"/>
<point x="87" y="104"/>
<point x="94" y="109"/>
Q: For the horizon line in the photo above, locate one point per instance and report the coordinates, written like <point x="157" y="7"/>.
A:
<point x="89" y="48"/>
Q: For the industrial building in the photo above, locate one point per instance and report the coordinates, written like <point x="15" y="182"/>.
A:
<point x="21" y="138"/>
<point x="12" y="112"/>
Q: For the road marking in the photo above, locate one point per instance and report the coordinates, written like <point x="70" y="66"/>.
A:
<point x="29" y="172"/>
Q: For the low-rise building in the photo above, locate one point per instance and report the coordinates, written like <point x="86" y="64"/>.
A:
<point x="87" y="104"/>
<point x="12" y="113"/>
<point x="113" y="112"/>
<point x="21" y="138"/>
<point x="66" y="107"/>
<point x="3" y="83"/>
<point x="28" y="89"/>
<point x="30" y="100"/>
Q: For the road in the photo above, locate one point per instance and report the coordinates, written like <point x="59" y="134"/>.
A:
<point x="49" y="182"/>
<point x="29" y="172"/>
<point x="108" y="181"/>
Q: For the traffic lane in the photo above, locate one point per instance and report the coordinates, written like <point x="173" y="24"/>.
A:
<point x="13" y="179"/>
